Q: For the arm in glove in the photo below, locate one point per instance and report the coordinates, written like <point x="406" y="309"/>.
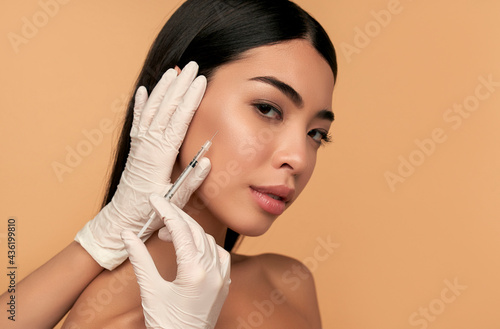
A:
<point x="195" y="298"/>
<point x="158" y="129"/>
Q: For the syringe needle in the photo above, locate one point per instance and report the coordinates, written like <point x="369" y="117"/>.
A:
<point x="180" y="180"/>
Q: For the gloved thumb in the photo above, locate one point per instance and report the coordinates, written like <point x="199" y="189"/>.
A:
<point x="181" y="234"/>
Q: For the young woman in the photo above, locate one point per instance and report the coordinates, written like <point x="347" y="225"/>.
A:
<point x="266" y="75"/>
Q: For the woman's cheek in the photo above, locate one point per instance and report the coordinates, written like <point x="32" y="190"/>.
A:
<point x="228" y="159"/>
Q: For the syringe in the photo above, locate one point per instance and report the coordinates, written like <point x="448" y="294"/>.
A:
<point x="204" y="149"/>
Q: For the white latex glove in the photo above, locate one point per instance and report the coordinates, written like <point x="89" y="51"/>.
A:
<point x="195" y="298"/>
<point x="158" y="129"/>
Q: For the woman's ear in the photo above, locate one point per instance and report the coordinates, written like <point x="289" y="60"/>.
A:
<point x="178" y="70"/>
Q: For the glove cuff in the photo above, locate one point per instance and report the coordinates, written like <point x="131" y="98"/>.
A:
<point x="107" y="258"/>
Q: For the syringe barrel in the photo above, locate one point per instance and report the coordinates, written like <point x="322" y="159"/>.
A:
<point x="179" y="181"/>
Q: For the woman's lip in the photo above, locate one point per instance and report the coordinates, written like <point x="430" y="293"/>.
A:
<point x="268" y="204"/>
<point x="284" y="192"/>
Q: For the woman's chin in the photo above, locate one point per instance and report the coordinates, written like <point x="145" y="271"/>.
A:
<point x="252" y="226"/>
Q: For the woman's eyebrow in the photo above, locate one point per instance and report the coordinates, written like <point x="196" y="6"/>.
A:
<point x="292" y="94"/>
<point x="325" y="115"/>
<point x="283" y="87"/>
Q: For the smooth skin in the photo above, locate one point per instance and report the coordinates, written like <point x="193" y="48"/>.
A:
<point x="50" y="291"/>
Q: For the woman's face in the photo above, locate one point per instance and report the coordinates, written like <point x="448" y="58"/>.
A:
<point x="271" y="110"/>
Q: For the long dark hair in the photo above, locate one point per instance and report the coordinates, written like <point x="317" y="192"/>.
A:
<point x="213" y="33"/>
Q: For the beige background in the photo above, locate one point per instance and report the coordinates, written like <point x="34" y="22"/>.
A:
<point x="392" y="253"/>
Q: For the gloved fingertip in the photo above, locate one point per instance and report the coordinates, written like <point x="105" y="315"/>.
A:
<point x="170" y="73"/>
<point x="200" y="82"/>
<point x="125" y="234"/>
<point x="204" y="164"/>
<point x="192" y="65"/>
<point x="164" y="234"/>
<point x="155" y="201"/>
<point x="140" y="91"/>
<point x="154" y="197"/>
<point x="127" y="238"/>
<point x="160" y="205"/>
<point x="141" y="94"/>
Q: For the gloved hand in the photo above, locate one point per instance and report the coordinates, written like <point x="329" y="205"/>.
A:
<point x="195" y="298"/>
<point x="158" y="129"/>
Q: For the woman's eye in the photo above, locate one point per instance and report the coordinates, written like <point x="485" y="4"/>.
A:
<point x="320" y="136"/>
<point x="269" y="111"/>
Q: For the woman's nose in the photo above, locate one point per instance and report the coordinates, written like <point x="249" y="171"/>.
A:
<point x="291" y="152"/>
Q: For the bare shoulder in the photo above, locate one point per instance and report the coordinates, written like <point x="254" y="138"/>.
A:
<point x="293" y="281"/>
